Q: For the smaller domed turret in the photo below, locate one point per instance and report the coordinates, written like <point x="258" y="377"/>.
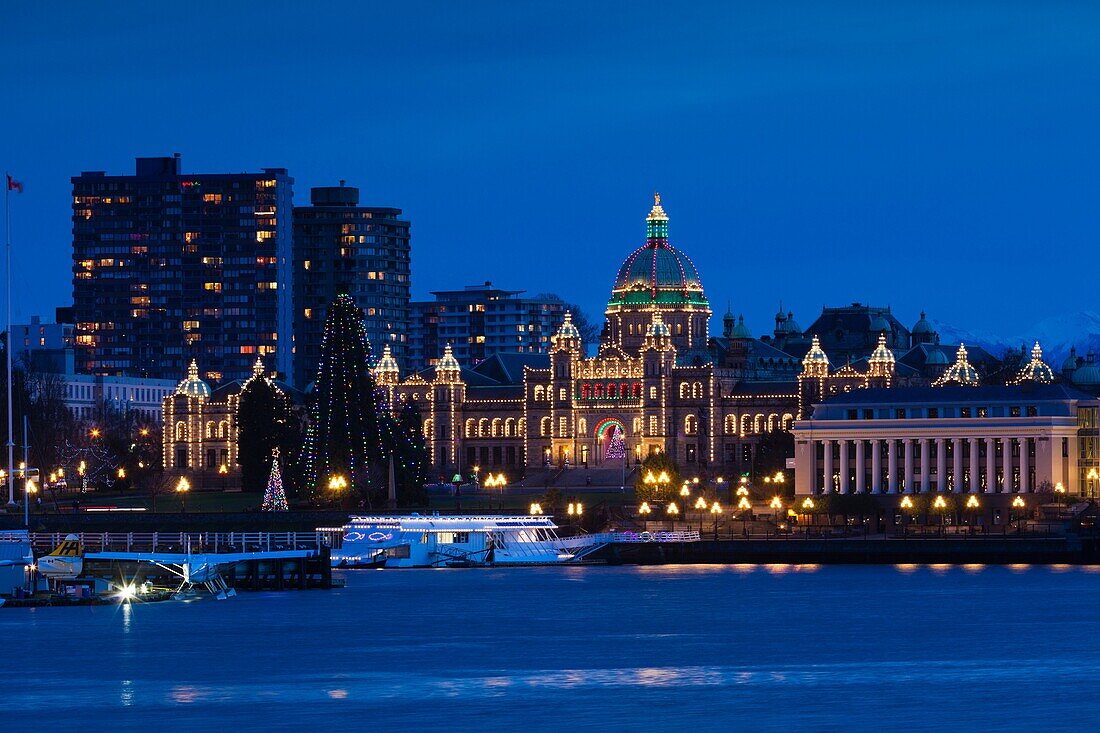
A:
<point x="386" y="370"/>
<point x="815" y="363"/>
<point x="193" y="386"/>
<point x="882" y="359"/>
<point x="741" y="331"/>
<point x="1069" y="366"/>
<point x="959" y="373"/>
<point x="1036" y="370"/>
<point x="448" y="369"/>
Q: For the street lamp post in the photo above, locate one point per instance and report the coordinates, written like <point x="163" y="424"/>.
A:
<point x="715" y="509"/>
<point x="182" y="487"/>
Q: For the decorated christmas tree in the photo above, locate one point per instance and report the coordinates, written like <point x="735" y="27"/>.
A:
<point x="617" y="447"/>
<point x="343" y="445"/>
<point x="274" y="494"/>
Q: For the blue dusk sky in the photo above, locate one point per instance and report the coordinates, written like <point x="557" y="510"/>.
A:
<point x="937" y="155"/>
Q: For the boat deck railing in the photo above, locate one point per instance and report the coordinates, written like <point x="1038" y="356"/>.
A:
<point x="44" y="542"/>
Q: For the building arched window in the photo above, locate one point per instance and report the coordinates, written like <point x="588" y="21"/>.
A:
<point x="598" y="391"/>
<point x="788" y="421"/>
<point x="637" y="394"/>
<point x="636" y="426"/>
<point x="540" y="393"/>
<point x="495" y="427"/>
<point x="773" y="422"/>
<point x="471" y="429"/>
<point x="544" y="427"/>
<point x="509" y="427"/>
<point x="758" y="424"/>
<point x="731" y="425"/>
<point x="586" y="391"/>
<point x="483" y="427"/>
<point x="428" y="425"/>
<point x="522" y="428"/>
<point x="746" y="424"/>
<point x="582" y="426"/>
<point x="210" y="429"/>
<point x="181" y="430"/>
<point x="684" y="390"/>
<point x="691" y="425"/>
<point x="697" y="390"/>
<point x="223" y="429"/>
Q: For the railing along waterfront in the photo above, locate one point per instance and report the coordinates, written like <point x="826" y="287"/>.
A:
<point x="180" y="541"/>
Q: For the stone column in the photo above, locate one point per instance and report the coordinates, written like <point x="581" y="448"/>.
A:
<point x="827" y="479"/>
<point x="844" y="466"/>
<point x="876" y="467"/>
<point x="925" y="469"/>
<point x="892" y="466"/>
<point x="941" y="465"/>
<point x="811" y="467"/>
<point x="990" y="466"/>
<point x="907" y="477"/>
<point x="1024" y="488"/>
<point x="957" y="465"/>
<point x="974" y="465"/>
<point x="1006" y="464"/>
<point x="861" y="466"/>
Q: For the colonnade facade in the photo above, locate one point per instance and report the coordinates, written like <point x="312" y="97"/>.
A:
<point x="995" y="439"/>
<point x="972" y="464"/>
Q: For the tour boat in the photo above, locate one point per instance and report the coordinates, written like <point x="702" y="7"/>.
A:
<point x="422" y="541"/>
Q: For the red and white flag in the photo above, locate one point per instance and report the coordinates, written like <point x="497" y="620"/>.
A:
<point x="14" y="185"/>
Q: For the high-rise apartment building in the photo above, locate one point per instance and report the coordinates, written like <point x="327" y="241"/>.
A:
<point x="169" y="267"/>
<point x="340" y="246"/>
<point x="479" y="321"/>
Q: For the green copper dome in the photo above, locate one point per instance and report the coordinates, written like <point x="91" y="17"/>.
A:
<point x="657" y="272"/>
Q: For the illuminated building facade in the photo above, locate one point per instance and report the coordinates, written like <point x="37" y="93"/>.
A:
<point x="199" y="435"/>
<point x="656" y="380"/>
<point x="170" y="267"/>
<point x="960" y="437"/>
<point x="340" y="246"/>
<point x="479" y="321"/>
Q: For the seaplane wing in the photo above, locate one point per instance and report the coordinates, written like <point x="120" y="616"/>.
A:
<point x="197" y="568"/>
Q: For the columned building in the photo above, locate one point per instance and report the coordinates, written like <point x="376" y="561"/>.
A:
<point x="961" y="439"/>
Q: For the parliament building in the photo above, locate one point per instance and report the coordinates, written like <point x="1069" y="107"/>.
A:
<point x="657" y="384"/>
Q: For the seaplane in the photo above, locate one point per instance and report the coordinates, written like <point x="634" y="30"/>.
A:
<point x="194" y="571"/>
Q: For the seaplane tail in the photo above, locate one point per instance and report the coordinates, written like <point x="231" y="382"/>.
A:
<point x="66" y="560"/>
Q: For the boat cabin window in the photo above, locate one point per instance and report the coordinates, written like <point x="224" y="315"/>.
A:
<point x="453" y="538"/>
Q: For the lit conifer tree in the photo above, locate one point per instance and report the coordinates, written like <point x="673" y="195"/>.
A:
<point x="343" y="445"/>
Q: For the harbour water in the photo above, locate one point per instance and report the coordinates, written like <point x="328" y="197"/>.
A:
<point x="701" y="648"/>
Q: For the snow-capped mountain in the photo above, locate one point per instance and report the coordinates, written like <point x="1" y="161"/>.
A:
<point x="1055" y="334"/>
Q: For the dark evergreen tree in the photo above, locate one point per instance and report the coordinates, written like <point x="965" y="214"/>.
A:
<point x="342" y="445"/>
<point x="412" y="463"/>
<point x="263" y="425"/>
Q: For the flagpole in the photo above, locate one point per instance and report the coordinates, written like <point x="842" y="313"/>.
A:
<point x="9" y="345"/>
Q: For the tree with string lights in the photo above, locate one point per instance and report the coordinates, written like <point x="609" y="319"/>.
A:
<point x="343" y="444"/>
<point x="275" y="494"/>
